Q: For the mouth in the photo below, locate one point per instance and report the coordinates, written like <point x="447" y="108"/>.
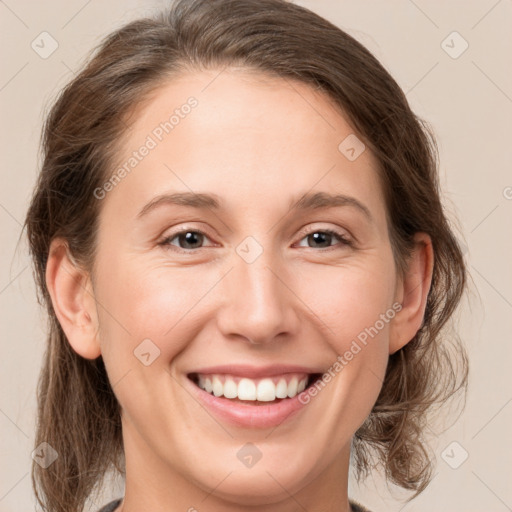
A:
<point x="254" y="391"/>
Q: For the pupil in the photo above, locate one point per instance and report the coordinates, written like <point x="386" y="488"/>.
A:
<point x="191" y="238"/>
<point x="317" y="237"/>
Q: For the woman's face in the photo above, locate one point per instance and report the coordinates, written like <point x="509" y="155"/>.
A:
<point x="259" y="296"/>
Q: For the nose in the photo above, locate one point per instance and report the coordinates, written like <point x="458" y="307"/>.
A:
<point x="258" y="304"/>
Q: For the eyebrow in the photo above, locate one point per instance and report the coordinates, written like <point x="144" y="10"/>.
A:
<point x="195" y="200"/>
<point x="308" y="201"/>
<point x="313" y="201"/>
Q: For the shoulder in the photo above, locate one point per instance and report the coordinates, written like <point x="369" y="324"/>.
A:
<point x="110" y="507"/>
<point x="357" y="507"/>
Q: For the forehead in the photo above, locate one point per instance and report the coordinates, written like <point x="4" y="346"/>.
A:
<point x="244" y="136"/>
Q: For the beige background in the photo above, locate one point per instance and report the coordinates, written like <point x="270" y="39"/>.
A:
<point x="468" y="101"/>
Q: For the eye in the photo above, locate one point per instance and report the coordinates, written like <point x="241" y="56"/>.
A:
<point x="324" y="237"/>
<point x="187" y="240"/>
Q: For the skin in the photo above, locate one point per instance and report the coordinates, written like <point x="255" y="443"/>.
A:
<point x="259" y="144"/>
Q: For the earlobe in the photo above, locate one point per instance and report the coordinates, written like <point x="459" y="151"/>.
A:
<point x="412" y="293"/>
<point x="73" y="301"/>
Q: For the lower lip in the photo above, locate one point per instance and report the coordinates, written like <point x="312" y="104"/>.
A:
<point x="246" y="415"/>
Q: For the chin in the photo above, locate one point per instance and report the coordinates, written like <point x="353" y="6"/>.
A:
<point x="263" y="484"/>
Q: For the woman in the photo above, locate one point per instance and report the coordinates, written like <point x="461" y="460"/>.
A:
<point x="238" y="236"/>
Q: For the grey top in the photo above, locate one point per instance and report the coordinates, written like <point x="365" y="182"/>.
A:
<point x="110" y="507"/>
<point x="357" y="507"/>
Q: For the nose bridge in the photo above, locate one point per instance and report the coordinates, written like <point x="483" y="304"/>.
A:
<point x="257" y="303"/>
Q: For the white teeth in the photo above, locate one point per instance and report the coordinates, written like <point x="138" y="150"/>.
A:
<point x="282" y="389"/>
<point x="246" y="390"/>
<point x="292" y="387"/>
<point x="218" y="388"/>
<point x="230" y="388"/>
<point x="266" y="391"/>
<point x="262" y="390"/>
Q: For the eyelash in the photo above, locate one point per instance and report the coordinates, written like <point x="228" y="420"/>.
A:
<point x="340" y="236"/>
<point x="344" y="241"/>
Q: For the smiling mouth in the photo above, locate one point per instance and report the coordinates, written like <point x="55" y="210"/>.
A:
<point x="264" y="391"/>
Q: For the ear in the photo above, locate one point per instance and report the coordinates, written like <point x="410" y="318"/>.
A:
<point x="73" y="300"/>
<point x="412" y="292"/>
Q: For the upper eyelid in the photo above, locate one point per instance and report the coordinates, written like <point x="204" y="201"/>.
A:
<point x="338" y="231"/>
<point x="174" y="234"/>
<point x="303" y="232"/>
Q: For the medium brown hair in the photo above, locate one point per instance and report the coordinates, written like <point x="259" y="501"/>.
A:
<point x="78" y="413"/>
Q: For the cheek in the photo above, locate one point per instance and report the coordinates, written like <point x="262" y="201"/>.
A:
<point x="146" y="322"/>
<point x="351" y="298"/>
<point x="149" y="300"/>
<point x="356" y="304"/>
<point x="145" y="298"/>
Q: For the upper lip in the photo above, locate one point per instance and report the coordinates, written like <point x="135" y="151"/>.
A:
<point x="255" y="372"/>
